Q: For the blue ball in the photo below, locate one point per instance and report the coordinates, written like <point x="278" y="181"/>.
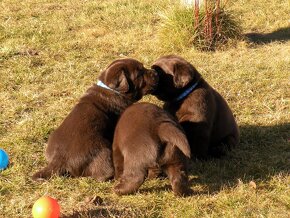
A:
<point x="4" y="159"/>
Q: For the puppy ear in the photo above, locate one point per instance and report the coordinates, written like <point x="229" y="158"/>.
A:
<point x="115" y="76"/>
<point x="181" y="71"/>
<point x="182" y="75"/>
<point x="117" y="81"/>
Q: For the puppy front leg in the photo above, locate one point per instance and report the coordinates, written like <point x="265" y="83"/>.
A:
<point x="130" y="181"/>
<point x="223" y="147"/>
<point x="177" y="175"/>
<point x="154" y="172"/>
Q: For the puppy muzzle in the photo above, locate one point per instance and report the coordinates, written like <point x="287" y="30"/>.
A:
<point x="155" y="77"/>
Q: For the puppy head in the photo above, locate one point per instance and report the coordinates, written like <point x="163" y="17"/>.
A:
<point x="130" y="78"/>
<point x="175" y="74"/>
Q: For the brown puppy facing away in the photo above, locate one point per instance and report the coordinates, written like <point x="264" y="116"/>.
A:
<point x="82" y="144"/>
<point x="148" y="138"/>
<point x="203" y="113"/>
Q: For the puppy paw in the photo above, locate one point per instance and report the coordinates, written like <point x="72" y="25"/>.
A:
<point x="154" y="173"/>
<point x="181" y="188"/>
<point x="184" y="192"/>
<point x="43" y="174"/>
<point x="38" y="177"/>
<point x="125" y="187"/>
<point x="119" y="189"/>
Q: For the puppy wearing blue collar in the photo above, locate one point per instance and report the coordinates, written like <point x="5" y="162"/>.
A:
<point x="82" y="144"/>
<point x="203" y="113"/>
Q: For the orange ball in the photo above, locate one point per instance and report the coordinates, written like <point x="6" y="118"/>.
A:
<point x="46" y="207"/>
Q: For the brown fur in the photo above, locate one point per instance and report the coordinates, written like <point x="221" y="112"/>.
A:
<point x="81" y="145"/>
<point x="208" y="121"/>
<point x="147" y="137"/>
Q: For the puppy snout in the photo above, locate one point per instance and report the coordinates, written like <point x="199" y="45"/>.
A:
<point x="151" y="80"/>
<point x="154" y="75"/>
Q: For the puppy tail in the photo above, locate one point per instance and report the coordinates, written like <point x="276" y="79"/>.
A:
<point x="169" y="132"/>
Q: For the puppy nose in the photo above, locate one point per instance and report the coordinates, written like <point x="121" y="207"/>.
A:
<point x="154" y="73"/>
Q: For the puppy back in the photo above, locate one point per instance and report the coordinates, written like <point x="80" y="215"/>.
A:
<point x="170" y="133"/>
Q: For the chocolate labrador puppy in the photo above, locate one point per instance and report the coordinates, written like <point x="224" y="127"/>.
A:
<point x="203" y="113"/>
<point x="82" y="144"/>
<point x="147" y="137"/>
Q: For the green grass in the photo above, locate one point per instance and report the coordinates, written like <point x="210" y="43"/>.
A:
<point x="177" y="29"/>
<point x="52" y="51"/>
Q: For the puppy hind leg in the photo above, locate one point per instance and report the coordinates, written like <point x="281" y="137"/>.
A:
<point x="223" y="147"/>
<point x="230" y="141"/>
<point x="101" y="167"/>
<point x="47" y="172"/>
<point x="118" y="160"/>
<point x="198" y="135"/>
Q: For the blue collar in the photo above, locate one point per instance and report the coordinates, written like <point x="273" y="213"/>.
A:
<point x="186" y="92"/>
<point x="103" y="85"/>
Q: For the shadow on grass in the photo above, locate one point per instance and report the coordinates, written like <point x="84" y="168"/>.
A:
<point x="280" y="35"/>
<point x="100" y="212"/>
<point x="108" y="209"/>
<point x="264" y="152"/>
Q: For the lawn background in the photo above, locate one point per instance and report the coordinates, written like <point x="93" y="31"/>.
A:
<point x="52" y="51"/>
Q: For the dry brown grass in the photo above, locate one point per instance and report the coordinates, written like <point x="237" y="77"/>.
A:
<point x="206" y="28"/>
<point x="51" y="51"/>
